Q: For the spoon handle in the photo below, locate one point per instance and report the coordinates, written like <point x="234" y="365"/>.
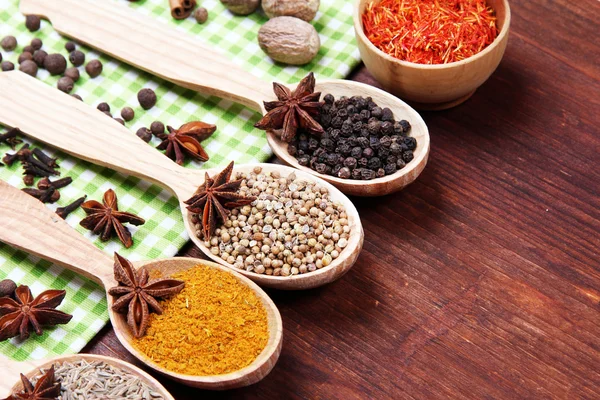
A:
<point x="11" y="371"/>
<point x="66" y="123"/>
<point x="29" y="225"/>
<point x="152" y="46"/>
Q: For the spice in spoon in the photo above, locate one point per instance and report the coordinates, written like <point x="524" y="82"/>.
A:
<point x="45" y="387"/>
<point x="215" y="325"/>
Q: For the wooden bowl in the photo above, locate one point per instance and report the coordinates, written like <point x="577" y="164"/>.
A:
<point x="320" y="277"/>
<point x="374" y="187"/>
<point x="433" y="87"/>
<point x="256" y="371"/>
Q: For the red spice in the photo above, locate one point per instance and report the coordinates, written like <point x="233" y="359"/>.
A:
<point x="430" y="31"/>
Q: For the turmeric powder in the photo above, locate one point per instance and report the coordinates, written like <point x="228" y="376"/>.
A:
<point x="215" y="325"/>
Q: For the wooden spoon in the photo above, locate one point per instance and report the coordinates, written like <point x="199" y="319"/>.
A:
<point x="177" y="57"/>
<point x="11" y="371"/>
<point x="70" y="125"/>
<point x="29" y="225"/>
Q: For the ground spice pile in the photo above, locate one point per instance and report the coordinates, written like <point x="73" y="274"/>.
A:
<point x="430" y="31"/>
<point x="215" y="325"/>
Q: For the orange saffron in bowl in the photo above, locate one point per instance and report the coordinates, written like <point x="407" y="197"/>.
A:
<point x="430" y="31"/>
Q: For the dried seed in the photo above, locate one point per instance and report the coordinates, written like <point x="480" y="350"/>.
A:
<point x="93" y="68"/>
<point x="77" y="58"/>
<point x="55" y="64"/>
<point x="32" y="22"/>
<point x="147" y="98"/>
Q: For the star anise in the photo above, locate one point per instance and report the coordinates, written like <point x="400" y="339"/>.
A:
<point x="137" y="294"/>
<point x="293" y="109"/>
<point x="18" y="316"/>
<point x="186" y="140"/>
<point x="46" y="388"/>
<point x="105" y="218"/>
<point x="214" y="197"/>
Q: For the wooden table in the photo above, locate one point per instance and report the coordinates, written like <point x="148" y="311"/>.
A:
<point x="482" y="279"/>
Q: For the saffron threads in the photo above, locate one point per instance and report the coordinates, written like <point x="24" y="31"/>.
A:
<point x="430" y="31"/>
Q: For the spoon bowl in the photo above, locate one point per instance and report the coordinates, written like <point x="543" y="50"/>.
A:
<point x="56" y="241"/>
<point x="159" y="49"/>
<point x="12" y="369"/>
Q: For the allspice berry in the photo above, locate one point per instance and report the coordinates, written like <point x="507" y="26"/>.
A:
<point x="25" y="56"/>
<point x="32" y="22"/>
<point x="72" y="73"/>
<point x="8" y="43"/>
<point x="157" y="128"/>
<point x="144" y="134"/>
<point x="39" y="56"/>
<point x="29" y="67"/>
<point x="55" y="63"/>
<point x="28" y="49"/>
<point x="7" y="288"/>
<point x="7" y="66"/>
<point x="201" y="15"/>
<point x="93" y="68"/>
<point x="104" y="107"/>
<point x="77" y="58"/>
<point x="36" y="44"/>
<point x="241" y="7"/>
<point x="70" y="46"/>
<point x="65" y="84"/>
<point x="127" y="113"/>
<point x="119" y="120"/>
<point x="147" y="98"/>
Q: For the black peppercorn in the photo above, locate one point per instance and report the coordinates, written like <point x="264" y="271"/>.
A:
<point x="29" y="67"/>
<point x="65" y="84"/>
<point x="383" y="152"/>
<point x="39" y="56"/>
<point x="374" y="163"/>
<point x="144" y="134"/>
<point x="72" y="73"/>
<point x="77" y="58"/>
<point x="374" y="142"/>
<point x="147" y="98"/>
<point x="26" y="56"/>
<point x="400" y="163"/>
<point x="395" y="149"/>
<point x="303" y="145"/>
<point x="391" y="160"/>
<point x="408" y="156"/>
<point x="157" y="128"/>
<point x="386" y="141"/>
<point x="7" y="66"/>
<point x="8" y="43"/>
<point x="387" y="115"/>
<point x="410" y="142"/>
<point x="356" y="152"/>
<point x="313" y="144"/>
<point x="292" y="149"/>
<point x="104" y="107"/>
<point x="374" y="127"/>
<point x="390" y="168"/>
<point x="376" y="112"/>
<point x="365" y="115"/>
<point x="325" y="121"/>
<point x="304" y="160"/>
<point x="36" y="44"/>
<point x="387" y="128"/>
<point x="321" y="168"/>
<point x="70" y="46"/>
<point x="362" y="162"/>
<point x="127" y="113"/>
<point x="32" y="22"/>
<point x="380" y="173"/>
<point x="344" y="173"/>
<point x="367" y="174"/>
<point x="350" y="162"/>
<point x="328" y="99"/>
<point x="93" y="68"/>
<point x="55" y="64"/>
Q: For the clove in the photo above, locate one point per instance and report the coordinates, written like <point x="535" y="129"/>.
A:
<point x="64" y="212"/>
<point x="11" y="138"/>
<point x="29" y="158"/>
<point x="9" y="159"/>
<point x="49" y="195"/>
<point x="46" y="183"/>
<point x="46" y="159"/>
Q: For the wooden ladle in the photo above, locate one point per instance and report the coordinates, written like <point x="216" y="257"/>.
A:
<point x="11" y="371"/>
<point x="70" y="125"/>
<point x="29" y="225"/>
<point x="157" y="48"/>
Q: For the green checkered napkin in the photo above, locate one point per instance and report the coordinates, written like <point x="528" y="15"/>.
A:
<point x="164" y="233"/>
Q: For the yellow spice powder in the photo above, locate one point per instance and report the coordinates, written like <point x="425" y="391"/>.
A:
<point x="215" y="325"/>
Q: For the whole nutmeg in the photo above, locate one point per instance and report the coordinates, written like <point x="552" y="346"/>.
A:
<point x="55" y="64"/>
<point x="29" y="67"/>
<point x="147" y="98"/>
<point x="39" y="57"/>
<point x="7" y="66"/>
<point x="25" y="56"/>
<point x="289" y="40"/>
<point x="7" y="288"/>
<point x="241" y="7"/>
<point x="73" y="73"/>
<point x="32" y="22"/>
<point x="8" y="43"/>
<point x="93" y="68"/>
<point x="36" y="44"/>
<point x="127" y="113"/>
<point x="77" y="58"/>
<point x="303" y="9"/>
<point x="65" y="84"/>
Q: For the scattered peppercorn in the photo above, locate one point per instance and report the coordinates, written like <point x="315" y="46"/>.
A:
<point x="7" y="66"/>
<point x="78" y="97"/>
<point x="7" y="288"/>
<point x="55" y="64"/>
<point x="39" y="57"/>
<point x="147" y="98"/>
<point x="77" y="58"/>
<point x="28" y="49"/>
<point x="73" y="73"/>
<point x="70" y="46"/>
<point x="29" y="67"/>
<point x="65" y="84"/>
<point x="361" y="141"/>
<point x="104" y="107"/>
<point x="26" y="56"/>
<point x="157" y="128"/>
<point x="93" y="68"/>
<point x="144" y="134"/>
<point x="9" y="43"/>
<point x="36" y="44"/>
<point x="201" y="15"/>
<point x="127" y="113"/>
<point x="119" y="120"/>
<point x="32" y="22"/>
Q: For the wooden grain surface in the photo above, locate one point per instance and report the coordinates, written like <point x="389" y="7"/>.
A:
<point x="482" y="279"/>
